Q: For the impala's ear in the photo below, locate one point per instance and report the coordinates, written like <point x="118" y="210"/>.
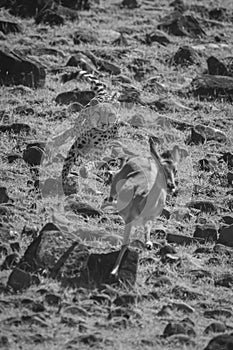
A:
<point x="178" y="153"/>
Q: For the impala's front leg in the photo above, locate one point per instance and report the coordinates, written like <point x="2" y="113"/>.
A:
<point x="125" y="244"/>
<point x="148" y="227"/>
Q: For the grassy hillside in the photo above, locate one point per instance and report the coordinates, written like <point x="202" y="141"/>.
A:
<point x="73" y="319"/>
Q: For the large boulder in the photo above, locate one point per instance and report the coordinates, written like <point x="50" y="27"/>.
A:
<point x="16" y="70"/>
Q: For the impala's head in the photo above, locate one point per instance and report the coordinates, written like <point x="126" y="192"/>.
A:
<point x="169" y="160"/>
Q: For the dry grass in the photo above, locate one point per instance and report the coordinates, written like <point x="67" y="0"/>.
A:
<point x="54" y="328"/>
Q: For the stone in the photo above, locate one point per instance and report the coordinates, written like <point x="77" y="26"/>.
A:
<point x="221" y="249"/>
<point x="130" y="4"/>
<point x="19" y="280"/>
<point x="81" y="61"/>
<point x="157" y="36"/>
<point x="185" y="293"/>
<point x="181" y="25"/>
<point x="226" y="236"/>
<point x="10" y="261"/>
<point x="4" y="198"/>
<point x="230" y="178"/>
<point x="211" y="133"/>
<point x="215" y="327"/>
<point x="182" y="240"/>
<point x="125" y="300"/>
<point x="82" y="97"/>
<point x="195" y="137"/>
<point x="33" y="155"/>
<point x="227" y="157"/>
<point x="15" y="128"/>
<point x="228" y="219"/>
<point x="212" y="87"/>
<point x="85" y="35"/>
<point x="208" y="232"/>
<point x="225" y="280"/>
<point x="84" y="209"/>
<point x="18" y="70"/>
<point x="45" y="250"/>
<point x="217" y="313"/>
<point x="49" y="16"/>
<point x="178" y="328"/>
<point x="185" y="56"/>
<point x="216" y="67"/>
<point x="97" y="271"/>
<point x="221" y="342"/>
<point x="202" y="205"/>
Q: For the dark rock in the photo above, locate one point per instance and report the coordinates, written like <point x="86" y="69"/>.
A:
<point x="82" y="97"/>
<point x="215" y="327"/>
<point x="45" y="250"/>
<point x="208" y="232"/>
<point x="15" y="128"/>
<point x="84" y="35"/>
<point x="81" y="61"/>
<point x="12" y="157"/>
<point x="204" y="164"/>
<point x="178" y="328"/>
<point x="221" y="342"/>
<point x="157" y="36"/>
<point x="217" y="313"/>
<point x="26" y="8"/>
<point x="185" y="56"/>
<point x="16" y="70"/>
<point x="212" y="87"/>
<point x="185" y="293"/>
<point x="227" y="157"/>
<point x="223" y="250"/>
<point x="125" y="300"/>
<point x="200" y="273"/>
<point x="7" y="27"/>
<point x="203" y="250"/>
<point x="196" y="137"/>
<point x="10" y="261"/>
<point x="130" y="4"/>
<point x="52" y="299"/>
<point x="109" y="67"/>
<point x="15" y="246"/>
<point x="33" y="155"/>
<point x="218" y="14"/>
<point x="76" y="4"/>
<point x="49" y="16"/>
<point x="98" y="268"/>
<point x="181" y="25"/>
<point x="4" y="198"/>
<point x="19" y="280"/>
<point x="226" y="280"/>
<point x="230" y="178"/>
<point x="167" y="249"/>
<point x="69" y="266"/>
<point x="202" y="205"/>
<point x="228" y="219"/>
<point x="162" y="281"/>
<point x="84" y="209"/>
<point x="183" y="240"/>
<point x="226" y="236"/>
<point x="215" y="67"/>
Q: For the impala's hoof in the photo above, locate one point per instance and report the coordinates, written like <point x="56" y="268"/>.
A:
<point x="149" y="245"/>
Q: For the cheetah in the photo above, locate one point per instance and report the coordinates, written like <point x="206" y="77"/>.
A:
<point x="97" y="124"/>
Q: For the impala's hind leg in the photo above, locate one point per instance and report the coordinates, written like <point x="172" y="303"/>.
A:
<point x="125" y="244"/>
<point x="148" y="227"/>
